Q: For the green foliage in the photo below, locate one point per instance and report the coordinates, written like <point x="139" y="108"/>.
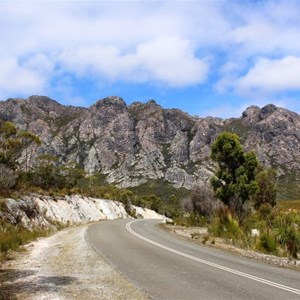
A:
<point x="279" y="230"/>
<point x="7" y="129"/>
<point x="47" y="175"/>
<point x="3" y="205"/>
<point x="237" y="126"/>
<point x="12" y="237"/>
<point x="73" y="174"/>
<point x="235" y="177"/>
<point x="267" y="243"/>
<point x="167" y="154"/>
<point x="289" y="237"/>
<point x="227" y="226"/>
<point x="190" y="219"/>
<point x="239" y="177"/>
<point x="288" y="205"/>
<point x="201" y="201"/>
<point x="29" y="137"/>
<point x="159" y="195"/>
<point x="160" y="188"/>
<point x="286" y="227"/>
<point x="8" y="178"/>
<point x="289" y="185"/>
<point x="129" y="208"/>
<point x="13" y="142"/>
<point x="266" y="192"/>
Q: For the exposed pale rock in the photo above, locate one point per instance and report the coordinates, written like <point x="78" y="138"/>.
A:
<point x="142" y="141"/>
<point x="42" y="211"/>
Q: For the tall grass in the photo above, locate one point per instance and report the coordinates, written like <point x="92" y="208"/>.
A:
<point x="12" y="237"/>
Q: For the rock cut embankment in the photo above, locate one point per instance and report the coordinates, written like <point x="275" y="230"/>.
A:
<point x="44" y="211"/>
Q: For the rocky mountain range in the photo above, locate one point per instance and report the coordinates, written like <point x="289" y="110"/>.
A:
<point x="131" y="144"/>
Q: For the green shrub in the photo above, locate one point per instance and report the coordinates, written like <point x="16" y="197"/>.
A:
<point x="226" y="225"/>
<point x="3" y="205"/>
<point x="190" y="219"/>
<point x="205" y="239"/>
<point x="12" y="237"/>
<point x="267" y="243"/>
<point x="289" y="237"/>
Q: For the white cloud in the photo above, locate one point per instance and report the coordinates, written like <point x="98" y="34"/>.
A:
<point x="16" y="78"/>
<point x="40" y="62"/>
<point x="161" y="42"/>
<point x="172" y="61"/>
<point x="169" y="60"/>
<point x="272" y="75"/>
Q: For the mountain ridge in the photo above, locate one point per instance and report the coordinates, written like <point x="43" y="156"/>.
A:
<point x="134" y="143"/>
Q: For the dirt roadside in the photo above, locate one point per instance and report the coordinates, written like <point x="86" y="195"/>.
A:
<point x="199" y="235"/>
<point x="63" y="266"/>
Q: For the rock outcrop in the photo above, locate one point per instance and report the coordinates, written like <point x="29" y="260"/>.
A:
<point x="38" y="211"/>
<point x="142" y="141"/>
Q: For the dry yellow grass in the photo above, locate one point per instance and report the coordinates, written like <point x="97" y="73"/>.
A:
<point x="289" y="205"/>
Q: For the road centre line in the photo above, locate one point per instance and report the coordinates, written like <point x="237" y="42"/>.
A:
<point x="217" y="266"/>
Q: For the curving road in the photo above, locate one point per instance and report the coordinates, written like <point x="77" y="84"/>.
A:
<point x="165" y="267"/>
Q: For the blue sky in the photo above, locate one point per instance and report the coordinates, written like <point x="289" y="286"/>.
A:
<point x="205" y="57"/>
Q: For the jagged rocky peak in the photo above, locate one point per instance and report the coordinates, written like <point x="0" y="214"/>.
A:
<point x="41" y="106"/>
<point x="254" y="114"/>
<point x="267" y="110"/>
<point x="43" y="101"/>
<point x="251" y="115"/>
<point x="250" y="111"/>
<point x="142" y="141"/>
<point x="105" y="111"/>
<point x="143" y="111"/>
<point x="112" y="101"/>
<point x="152" y="103"/>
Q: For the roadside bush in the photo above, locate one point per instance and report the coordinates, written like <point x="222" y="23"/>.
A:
<point x="287" y="231"/>
<point x="289" y="237"/>
<point x="190" y="219"/>
<point x="3" y="205"/>
<point x="267" y="243"/>
<point x="8" y="178"/>
<point x="12" y="237"/>
<point x="266" y="192"/>
<point x="225" y="225"/>
<point x="202" y="201"/>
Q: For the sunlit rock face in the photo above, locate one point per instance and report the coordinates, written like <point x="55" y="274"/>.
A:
<point x="38" y="211"/>
<point x="134" y="143"/>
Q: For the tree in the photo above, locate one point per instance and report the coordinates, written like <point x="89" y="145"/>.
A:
<point x="234" y="182"/>
<point x="30" y="142"/>
<point x="8" y="177"/>
<point x="9" y="144"/>
<point x="47" y="175"/>
<point x="201" y="201"/>
<point x="266" y="191"/>
<point x="13" y="142"/>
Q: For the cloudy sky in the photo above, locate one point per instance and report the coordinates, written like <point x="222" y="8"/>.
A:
<point x="204" y="57"/>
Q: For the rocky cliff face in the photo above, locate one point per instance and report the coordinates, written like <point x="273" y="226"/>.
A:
<point x="36" y="211"/>
<point x="135" y="143"/>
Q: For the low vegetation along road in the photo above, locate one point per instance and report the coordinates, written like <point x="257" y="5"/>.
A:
<point x="165" y="267"/>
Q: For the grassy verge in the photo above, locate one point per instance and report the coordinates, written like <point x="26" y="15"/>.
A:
<point x="269" y="230"/>
<point x="13" y="237"/>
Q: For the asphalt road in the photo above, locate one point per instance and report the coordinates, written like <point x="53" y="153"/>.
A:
<point x="166" y="267"/>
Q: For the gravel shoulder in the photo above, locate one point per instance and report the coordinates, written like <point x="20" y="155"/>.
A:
<point x="199" y="235"/>
<point x="63" y="266"/>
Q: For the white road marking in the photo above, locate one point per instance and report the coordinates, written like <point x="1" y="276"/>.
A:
<point x="242" y="274"/>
